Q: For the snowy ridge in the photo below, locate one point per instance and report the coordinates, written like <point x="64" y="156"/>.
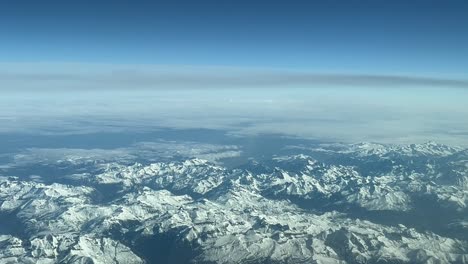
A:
<point x="294" y="209"/>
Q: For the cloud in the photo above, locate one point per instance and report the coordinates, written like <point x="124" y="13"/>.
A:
<point x="148" y="151"/>
<point x="44" y="77"/>
<point x="74" y="99"/>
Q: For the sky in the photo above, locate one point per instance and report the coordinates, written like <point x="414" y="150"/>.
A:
<point x="381" y="71"/>
<point x="424" y="38"/>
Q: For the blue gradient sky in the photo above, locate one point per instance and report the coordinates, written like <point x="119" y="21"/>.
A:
<point x="424" y="38"/>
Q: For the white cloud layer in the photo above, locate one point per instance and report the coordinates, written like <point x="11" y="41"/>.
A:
<point x="349" y="108"/>
<point x="149" y="151"/>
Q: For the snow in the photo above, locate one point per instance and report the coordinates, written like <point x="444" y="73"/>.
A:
<point x="234" y="215"/>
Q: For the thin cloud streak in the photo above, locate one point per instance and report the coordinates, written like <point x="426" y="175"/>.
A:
<point x="80" y="77"/>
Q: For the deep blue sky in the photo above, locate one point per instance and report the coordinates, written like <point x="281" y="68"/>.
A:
<point x="427" y="38"/>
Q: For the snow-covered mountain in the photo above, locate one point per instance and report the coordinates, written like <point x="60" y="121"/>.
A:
<point x="362" y="203"/>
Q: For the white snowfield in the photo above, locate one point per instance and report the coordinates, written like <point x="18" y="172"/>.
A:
<point x="238" y="216"/>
